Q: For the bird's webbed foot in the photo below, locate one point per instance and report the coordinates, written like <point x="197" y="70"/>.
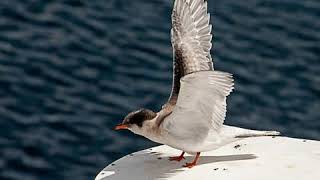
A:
<point x="177" y="158"/>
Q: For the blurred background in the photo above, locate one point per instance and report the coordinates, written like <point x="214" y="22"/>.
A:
<point x="72" y="69"/>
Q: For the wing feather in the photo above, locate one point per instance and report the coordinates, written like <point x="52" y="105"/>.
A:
<point x="191" y="41"/>
<point x="203" y="96"/>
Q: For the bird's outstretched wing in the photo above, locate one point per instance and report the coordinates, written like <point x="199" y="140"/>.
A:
<point x="198" y="99"/>
<point x="191" y="42"/>
<point x="201" y="105"/>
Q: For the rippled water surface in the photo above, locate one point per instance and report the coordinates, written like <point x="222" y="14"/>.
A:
<point x="71" y="69"/>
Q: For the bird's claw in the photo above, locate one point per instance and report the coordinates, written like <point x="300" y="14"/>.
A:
<point x="176" y="158"/>
<point x="189" y="165"/>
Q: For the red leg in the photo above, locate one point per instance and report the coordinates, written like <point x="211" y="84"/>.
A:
<point x="190" y="165"/>
<point x="177" y="158"/>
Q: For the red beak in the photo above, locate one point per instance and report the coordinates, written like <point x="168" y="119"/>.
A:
<point x="121" y="126"/>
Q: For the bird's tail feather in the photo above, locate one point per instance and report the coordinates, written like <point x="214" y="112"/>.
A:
<point x="236" y="132"/>
<point x="253" y="133"/>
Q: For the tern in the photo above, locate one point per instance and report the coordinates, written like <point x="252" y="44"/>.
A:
<point x="192" y="120"/>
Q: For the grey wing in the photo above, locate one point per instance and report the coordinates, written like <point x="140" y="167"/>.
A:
<point x="191" y="41"/>
<point x="201" y="104"/>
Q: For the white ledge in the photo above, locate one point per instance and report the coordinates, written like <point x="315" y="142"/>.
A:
<point x="262" y="158"/>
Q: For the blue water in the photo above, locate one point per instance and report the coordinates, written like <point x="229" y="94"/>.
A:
<point x="71" y="69"/>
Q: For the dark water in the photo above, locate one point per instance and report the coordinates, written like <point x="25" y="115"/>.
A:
<point x="70" y="70"/>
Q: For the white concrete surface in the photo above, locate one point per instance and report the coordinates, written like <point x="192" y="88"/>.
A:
<point x="260" y="158"/>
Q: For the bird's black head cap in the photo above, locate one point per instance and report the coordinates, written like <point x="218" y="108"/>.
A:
<point x="139" y="116"/>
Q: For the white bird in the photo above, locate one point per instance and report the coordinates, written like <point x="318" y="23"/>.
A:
<point x="192" y="119"/>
